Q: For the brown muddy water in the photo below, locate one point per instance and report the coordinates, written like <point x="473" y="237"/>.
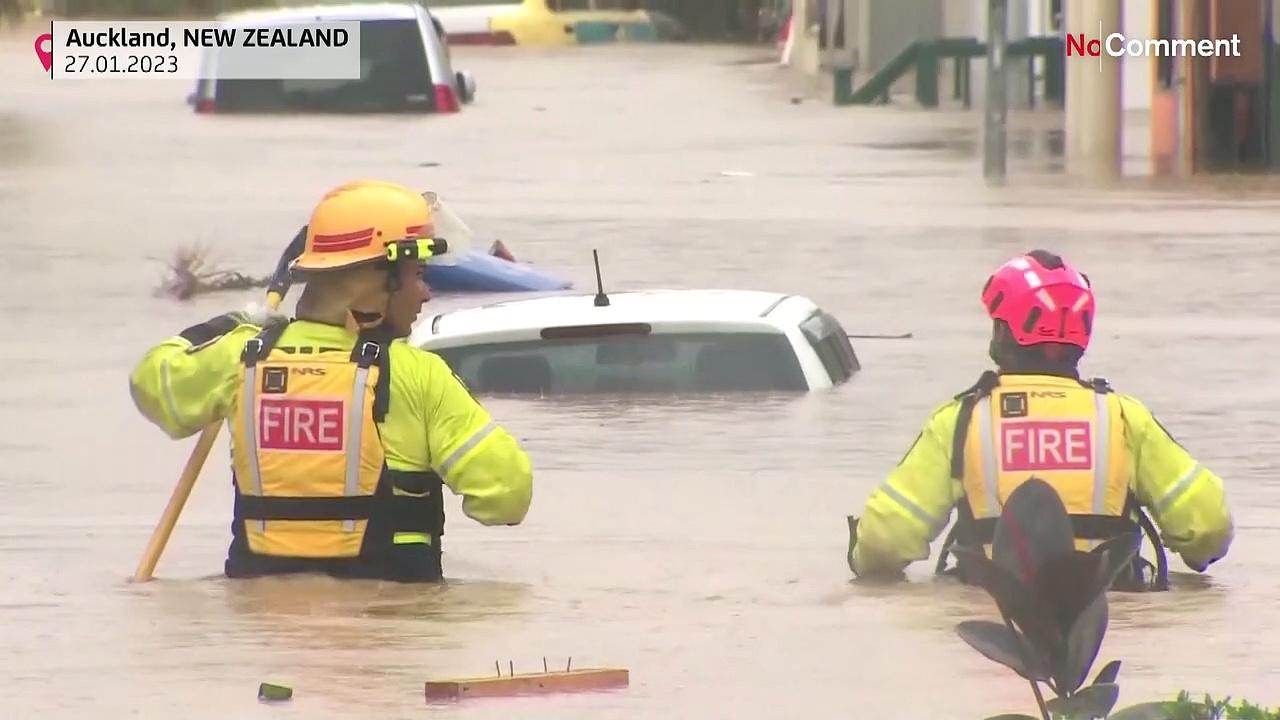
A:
<point x="700" y="544"/>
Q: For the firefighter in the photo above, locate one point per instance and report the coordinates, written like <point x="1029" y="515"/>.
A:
<point x="343" y="436"/>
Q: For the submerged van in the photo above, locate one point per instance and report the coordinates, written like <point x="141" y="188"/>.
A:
<point x="404" y="67"/>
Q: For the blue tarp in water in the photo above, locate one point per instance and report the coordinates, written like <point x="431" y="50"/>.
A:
<point x="480" y="272"/>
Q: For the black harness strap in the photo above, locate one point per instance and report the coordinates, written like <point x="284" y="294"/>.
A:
<point x="372" y="348"/>
<point x="258" y="347"/>
<point x="1083" y="527"/>
<point x="421" y="512"/>
<point x="256" y="507"/>
<point x="968" y="399"/>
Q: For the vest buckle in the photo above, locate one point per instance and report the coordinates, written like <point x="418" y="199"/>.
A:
<point x="253" y="348"/>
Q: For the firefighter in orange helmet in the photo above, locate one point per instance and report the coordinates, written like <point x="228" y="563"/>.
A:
<point x="343" y="436"/>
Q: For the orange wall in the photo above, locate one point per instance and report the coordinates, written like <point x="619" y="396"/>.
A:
<point x="1164" y="132"/>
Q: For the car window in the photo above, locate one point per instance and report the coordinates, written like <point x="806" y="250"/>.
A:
<point x="393" y="75"/>
<point x="830" y="341"/>
<point x="438" y="48"/>
<point x="658" y="363"/>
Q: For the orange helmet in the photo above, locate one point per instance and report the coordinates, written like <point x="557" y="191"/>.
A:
<point x="367" y="221"/>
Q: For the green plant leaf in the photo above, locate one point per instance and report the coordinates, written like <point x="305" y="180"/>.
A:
<point x="1011" y="596"/>
<point x="1166" y="710"/>
<point x="1083" y="643"/>
<point x="1067" y="585"/>
<point x="998" y="643"/>
<point x="1094" y="701"/>
<point x="1119" y="551"/>
<point x="1108" y="673"/>
<point x="1032" y="528"/>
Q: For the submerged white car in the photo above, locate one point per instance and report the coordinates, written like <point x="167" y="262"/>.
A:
<point x="654" y="341"/>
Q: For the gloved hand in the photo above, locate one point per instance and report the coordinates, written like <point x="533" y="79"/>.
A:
<point x="1200" y="565"/>
<point x="256" y="313"/>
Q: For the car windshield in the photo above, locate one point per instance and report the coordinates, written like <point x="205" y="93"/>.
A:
<point x="393" y="76"/>
<point x="648" y="363"/>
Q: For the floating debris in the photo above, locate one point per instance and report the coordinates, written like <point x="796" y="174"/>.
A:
<point x="545" y="682"/>
<point x="499" y="249"/>
<point x="191" y="275"/>
<point x="272" y="693"/>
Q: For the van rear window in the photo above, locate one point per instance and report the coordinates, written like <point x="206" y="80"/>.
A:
<point x="394" y="75"/>
<point x="650" y="363"/>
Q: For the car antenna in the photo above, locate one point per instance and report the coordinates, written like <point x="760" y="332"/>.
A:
<point x="602" y="300"/>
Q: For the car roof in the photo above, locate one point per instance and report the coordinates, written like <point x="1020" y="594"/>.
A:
<point x="351" y="11"/>
<point x="736" y="307"/>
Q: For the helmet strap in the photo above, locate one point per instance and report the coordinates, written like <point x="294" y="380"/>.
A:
<point x="1000" y="347"/>
<point x="393" y="277"/>
<point x="360" y="320"/>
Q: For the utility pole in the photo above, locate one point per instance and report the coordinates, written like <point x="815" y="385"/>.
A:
<point x="995" y="128"/>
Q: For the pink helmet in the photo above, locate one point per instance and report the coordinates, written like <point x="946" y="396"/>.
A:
<point x="1042" y="299"/>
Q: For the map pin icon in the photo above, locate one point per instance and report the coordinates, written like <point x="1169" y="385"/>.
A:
<point x="46" y="56"/>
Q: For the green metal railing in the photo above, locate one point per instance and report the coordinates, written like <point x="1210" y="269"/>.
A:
<point x="926" y="56"/>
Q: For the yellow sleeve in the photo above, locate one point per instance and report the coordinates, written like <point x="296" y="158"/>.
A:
<point x="1187" y="501"/>
<point x="181" y="385"/>
<point x="911" y="508"/>
<point x="477" y="458"/>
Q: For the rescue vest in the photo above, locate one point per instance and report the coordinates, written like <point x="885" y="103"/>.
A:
<point x="1067" y="432"/>
<point x="309" y="467"/>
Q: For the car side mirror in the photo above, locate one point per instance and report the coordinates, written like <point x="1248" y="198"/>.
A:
<point x="466" y="86"/>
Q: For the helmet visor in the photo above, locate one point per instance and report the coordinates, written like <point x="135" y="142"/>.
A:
<point x="450" y="227"/>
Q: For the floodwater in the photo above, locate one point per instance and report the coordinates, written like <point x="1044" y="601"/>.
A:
<point x="699" y="544"/>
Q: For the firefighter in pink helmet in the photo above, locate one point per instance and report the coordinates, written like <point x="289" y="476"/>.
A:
<point x="1112" y="463"/>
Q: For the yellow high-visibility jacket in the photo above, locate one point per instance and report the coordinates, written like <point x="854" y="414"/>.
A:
<point x="433" y="423"/>
<point x="911" y="508"/>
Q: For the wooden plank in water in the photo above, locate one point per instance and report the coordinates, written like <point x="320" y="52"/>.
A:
<point x="566" y="681"/>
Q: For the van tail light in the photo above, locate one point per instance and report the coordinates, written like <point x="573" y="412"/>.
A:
<point x="205" y="105"/>
<point x="446" y="99"/>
